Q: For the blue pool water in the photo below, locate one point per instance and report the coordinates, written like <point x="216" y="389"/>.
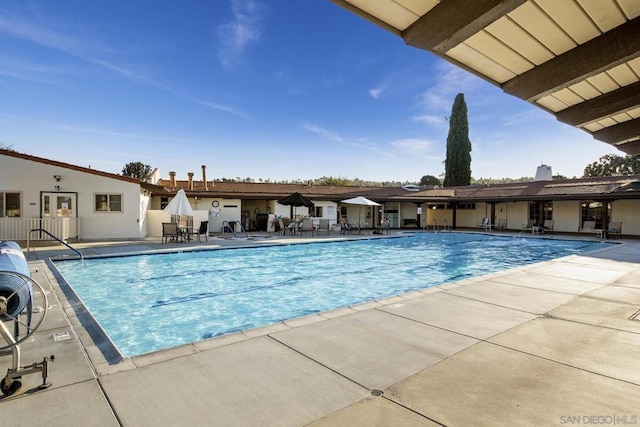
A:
<point x="151" y="302"/>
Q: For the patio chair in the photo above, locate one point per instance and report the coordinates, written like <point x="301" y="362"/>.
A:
<point x="502" y="224"/>
<point x="307" y="225"/>
<point x="482" y="222"/>
<point x="529" y="225"/>
<point x="345" y="228"/>
<point x="590" y="227"/>
<point x="170" y="232"/>
<point x="486" y="224"/>
<point x="202" y="231"/>
<point x="614" y="229"/>
<point x="385" y="226"/>
<point x="548" y="226"/>
<point x="323" y="226"/>
<point x="287" y="226"/>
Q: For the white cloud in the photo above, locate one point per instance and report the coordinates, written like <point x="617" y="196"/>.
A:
<point x="431" y="119"/>
<point x="413" y="145"/>
<point x="362" y="143"/>
<point x="245" y="28"/>
<point x="530" y="116"/>
<point x="375" y="92"/>
<point x="222" y="108"/>
<point x="44" y="37"/>
<point x="332" y="136"/>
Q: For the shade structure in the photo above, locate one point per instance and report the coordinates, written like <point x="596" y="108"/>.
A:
<point x="179" y="205"/>
<point x="362" y="201"/>
<point x="296" y="199"/>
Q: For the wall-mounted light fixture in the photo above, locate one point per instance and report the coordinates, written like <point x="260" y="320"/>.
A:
<point x="56" y="177"/>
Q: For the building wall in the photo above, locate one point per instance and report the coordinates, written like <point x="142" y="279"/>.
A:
<point x="31" y="178"/>
<point x="627" y="211"/>
<point x="469" y="218"/>
<point x="566" y="216"/>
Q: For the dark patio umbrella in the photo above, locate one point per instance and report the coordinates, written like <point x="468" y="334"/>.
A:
<point x="295" y="199"/>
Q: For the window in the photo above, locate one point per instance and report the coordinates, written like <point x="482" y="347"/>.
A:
<point x="539" y="211"/>
<point x="108" y="202"/>
<point x="593" y="211"/>
<point x="470" y="206"/>
<point x="441" y="206"/>
<point x="9" y="204"/>
<point x="318" y="212"/>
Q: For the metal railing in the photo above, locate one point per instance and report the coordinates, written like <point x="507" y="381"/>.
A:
<point x="235" y="227"/>
<point x="42" y="230"/>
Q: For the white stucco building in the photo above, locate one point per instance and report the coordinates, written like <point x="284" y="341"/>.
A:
<point x="72" y="201"/>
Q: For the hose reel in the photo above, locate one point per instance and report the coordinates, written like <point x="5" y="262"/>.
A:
<point x="19" y="311"/>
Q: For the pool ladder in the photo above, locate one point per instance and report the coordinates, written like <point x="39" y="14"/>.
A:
<point x="233" y="226"/>
<point x="436" y="228"/>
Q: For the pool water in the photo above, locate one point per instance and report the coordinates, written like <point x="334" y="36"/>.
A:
<point x="152" y="302"/>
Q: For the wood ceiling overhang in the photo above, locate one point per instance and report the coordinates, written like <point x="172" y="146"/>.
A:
<point x="577" y="59"/>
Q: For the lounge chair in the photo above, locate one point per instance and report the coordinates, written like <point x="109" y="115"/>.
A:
<point x="614" y="229"/>
<point x="482" y="222"/>
<point x="548" y="226"/>
<point x="170" y="232"/>
<point x="502" y="224"/>
<point x="590" y="227"/>
<point x="202" y="231"/>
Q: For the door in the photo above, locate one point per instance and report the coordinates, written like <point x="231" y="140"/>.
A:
<point x="55" y="206"/>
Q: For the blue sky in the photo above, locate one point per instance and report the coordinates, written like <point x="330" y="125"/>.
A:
<point x="279" y="90"/>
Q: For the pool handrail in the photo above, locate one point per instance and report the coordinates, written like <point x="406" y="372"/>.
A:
<point x="42" y="230"/>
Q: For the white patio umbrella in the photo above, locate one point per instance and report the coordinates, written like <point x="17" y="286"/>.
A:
<point x="179" y="205"/>
<point x="362" y="201"/>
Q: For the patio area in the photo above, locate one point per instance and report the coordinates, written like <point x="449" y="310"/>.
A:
<point x="551" y="343"/>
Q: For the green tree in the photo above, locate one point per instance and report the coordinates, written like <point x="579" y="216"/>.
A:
<point x="457" y="164"/>
<point x="430" y="180"/>
<point x="613" y="165"/>
<point x="137" y="170"/>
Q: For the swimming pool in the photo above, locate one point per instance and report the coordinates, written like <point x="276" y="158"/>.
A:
<point x="152" y="302"/>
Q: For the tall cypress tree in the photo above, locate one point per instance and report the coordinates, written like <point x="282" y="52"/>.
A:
<point x="457" y="165"/>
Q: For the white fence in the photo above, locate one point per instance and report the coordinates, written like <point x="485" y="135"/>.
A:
<point x="19" y="228"/>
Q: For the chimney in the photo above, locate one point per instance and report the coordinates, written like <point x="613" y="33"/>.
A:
<point x="543" y="173"/>
<point x="172" y="178"/>
<point x="204" y="177"/>
<point x="190" y="174"/>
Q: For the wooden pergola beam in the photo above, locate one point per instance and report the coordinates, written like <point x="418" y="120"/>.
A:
<point x="612" y="48"/>
<point x="453" y="21"/>
<point x="618" y="133"/>
<point x="607" y="105"/>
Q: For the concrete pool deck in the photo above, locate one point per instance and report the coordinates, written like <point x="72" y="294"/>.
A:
<point x="554" y="343"/>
